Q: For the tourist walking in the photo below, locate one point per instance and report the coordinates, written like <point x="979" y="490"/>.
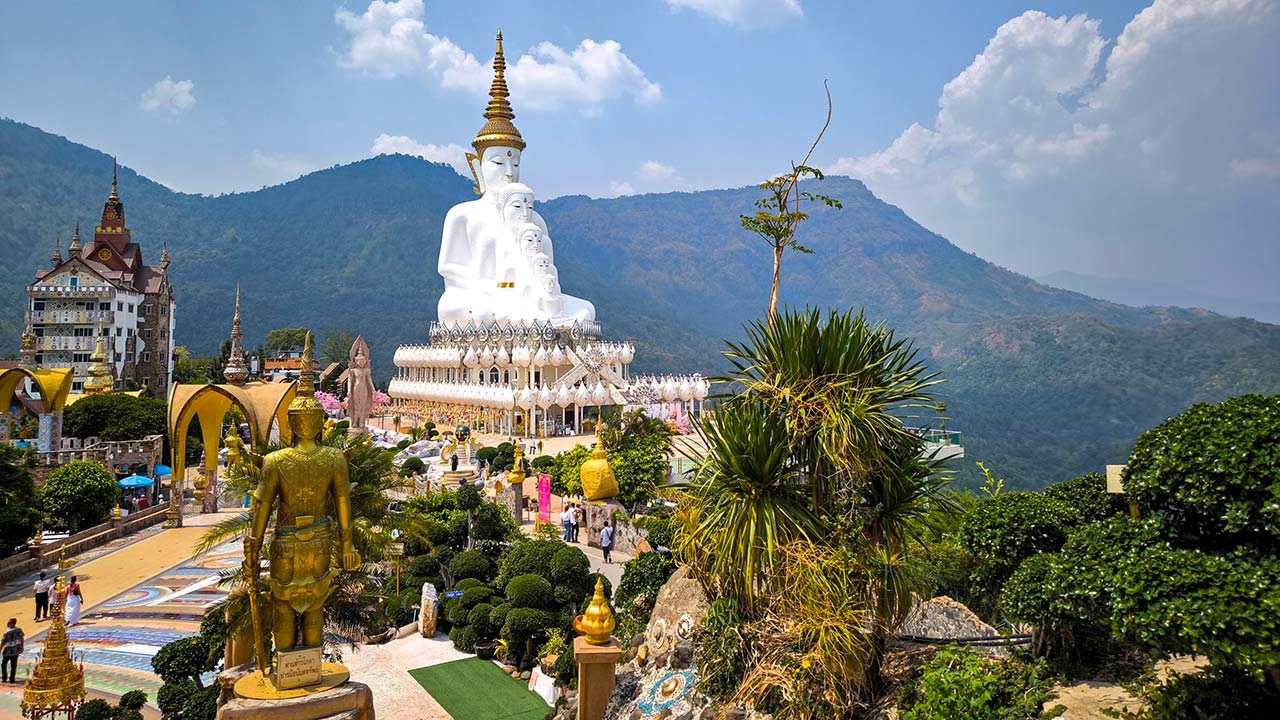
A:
<point x="41" y="589"/>
<point x="577" y="520"/>
<point x="74" y="600"/>
<point x="606" y="541"/>
<point x="13" y="646"/>
<point x="566" y="520"/>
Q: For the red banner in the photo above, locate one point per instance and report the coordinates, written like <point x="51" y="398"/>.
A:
<point x="544" y="498"/>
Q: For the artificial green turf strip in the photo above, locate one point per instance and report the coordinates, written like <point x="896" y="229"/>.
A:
<point x="475" y="689"/>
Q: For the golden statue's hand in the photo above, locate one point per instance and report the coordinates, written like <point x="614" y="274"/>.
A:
<point x="251" y="564"/>
<point x="350" y="558"/>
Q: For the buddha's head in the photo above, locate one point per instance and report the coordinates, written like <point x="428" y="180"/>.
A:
<point x="542" y="264"/>
<point x="530" y="236"/>
<point x="499" y="166"/>
<point x="515" y="203"/>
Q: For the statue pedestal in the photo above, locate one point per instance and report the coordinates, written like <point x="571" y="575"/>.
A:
<point x="453" y="478"/>
<point x="334" y="697"/>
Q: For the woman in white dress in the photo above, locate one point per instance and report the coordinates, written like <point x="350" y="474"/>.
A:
<point x="74" y="601"/>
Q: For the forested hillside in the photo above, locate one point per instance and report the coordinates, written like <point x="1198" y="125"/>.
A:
<point x="1046" y="384"/>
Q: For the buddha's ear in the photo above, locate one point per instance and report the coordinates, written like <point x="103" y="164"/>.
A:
<point x="473" y="162"/>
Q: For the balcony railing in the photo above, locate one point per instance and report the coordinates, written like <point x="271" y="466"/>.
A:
<point x="79" y="291"/>
<point x="73" y="317"/>
<point x="62" y="342"/>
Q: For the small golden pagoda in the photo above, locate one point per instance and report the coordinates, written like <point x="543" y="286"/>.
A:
<point x="56" y="686"/>
<point x="598" y="481"/>
<point x="99" y="381"/>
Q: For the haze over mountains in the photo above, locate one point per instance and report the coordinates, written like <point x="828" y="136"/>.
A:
<point x="1142" y="293"/>
<point x="1045" y="383"/>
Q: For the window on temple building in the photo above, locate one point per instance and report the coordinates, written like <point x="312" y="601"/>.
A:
<point x="146" y="334"/>
<point x="37" y="305"/>
<point x="119" y="332"/>
<point x="493" y="376"/>
<point x="75" y="281"/>
<point x="150" y="308"/>
<point x="104" y="306"/>
<point x="164" y="309"/>
<point x="146" y="357"/>
<point x="130" y="307"/>
<point x="119" y="307"/>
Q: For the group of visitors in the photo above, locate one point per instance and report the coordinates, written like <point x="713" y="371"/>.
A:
<point x="137" y="503"/>
<point x="14" y="640"/>
<point x="571" y="519"/>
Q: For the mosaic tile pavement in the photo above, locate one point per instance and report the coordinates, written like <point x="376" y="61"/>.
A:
<point x="117" y="640"/>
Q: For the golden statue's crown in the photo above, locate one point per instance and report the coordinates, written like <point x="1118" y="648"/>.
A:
<point x="498" y="130"/>
<point x="305" y="402"/>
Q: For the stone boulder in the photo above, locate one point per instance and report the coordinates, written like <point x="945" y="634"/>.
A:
<point x="942" y="618"/>
<point x="680" y="608"/>
<point x="430" y="611"/>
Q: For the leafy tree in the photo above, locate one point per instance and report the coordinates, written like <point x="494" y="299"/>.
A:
<point x="115" y="416"/>
<point x="337" y="348"/>
<point x="79" y="494"/>
<point x="778" y="214"/>
<point x="19" y="505"/>
<point x="1088" y="495"/>
<point x="282" y="339"/>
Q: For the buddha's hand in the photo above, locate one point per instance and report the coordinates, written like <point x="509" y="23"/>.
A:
<point x="350" y="558"/>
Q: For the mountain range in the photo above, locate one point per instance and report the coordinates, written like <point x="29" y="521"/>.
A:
<point x="1145" y="293"/>
<point x="1044" y="383"/>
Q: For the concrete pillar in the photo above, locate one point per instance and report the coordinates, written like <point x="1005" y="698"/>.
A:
<point x="596" y="665"/>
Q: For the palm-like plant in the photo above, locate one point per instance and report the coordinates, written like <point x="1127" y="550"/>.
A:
<point x="748" y="498"/>
<point x="843" y="386"/>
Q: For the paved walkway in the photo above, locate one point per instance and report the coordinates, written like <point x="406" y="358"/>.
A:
<point x="140" y="594"/>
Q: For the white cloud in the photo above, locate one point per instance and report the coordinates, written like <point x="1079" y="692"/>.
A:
<point x="451" y="154"/>
<point x="274" y="168"/>
<point x="169" y="95"/>
<point x="744" y="14"/>
<point x="389" y="39"/>
<point x="1043" y="156"/>
<point x="617" y="189"/>
<point x="1256" y="168"/>
<point x="653" y="170"/>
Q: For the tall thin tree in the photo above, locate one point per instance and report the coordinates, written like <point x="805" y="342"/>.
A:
<point x="778" y="215"/>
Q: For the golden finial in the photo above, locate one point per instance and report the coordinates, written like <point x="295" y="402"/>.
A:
<point x="596" y="622"/>
<point x="74" y="247"/>
<point x="306" y="376"/>
<point x="498" y="129"/>
<point x="56" y="683"/>
<point x="115" y="167"/>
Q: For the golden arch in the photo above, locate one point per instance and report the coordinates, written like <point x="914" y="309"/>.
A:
<point x="54" y="385"/>
<point x="262" y="404"/>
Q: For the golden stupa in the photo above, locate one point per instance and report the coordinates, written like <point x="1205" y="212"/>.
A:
<point x="99" y="380"/>
<point x="56" y="686"/>
<point x="598" y="482"/>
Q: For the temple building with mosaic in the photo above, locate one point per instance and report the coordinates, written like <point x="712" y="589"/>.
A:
<point x="103" y="289"/>
<point x="510" y="352"/>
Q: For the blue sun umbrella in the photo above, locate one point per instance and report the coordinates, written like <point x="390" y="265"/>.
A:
<point x="162" y="470"/>
<point x="135" y="481"/>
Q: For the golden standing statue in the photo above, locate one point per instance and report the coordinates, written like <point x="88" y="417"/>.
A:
<point x="297" y="483"/>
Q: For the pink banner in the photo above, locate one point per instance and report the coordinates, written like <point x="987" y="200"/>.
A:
<point x="544" y="498"/>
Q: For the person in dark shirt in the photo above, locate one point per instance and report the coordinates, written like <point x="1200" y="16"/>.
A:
<point x="12" y="648"/>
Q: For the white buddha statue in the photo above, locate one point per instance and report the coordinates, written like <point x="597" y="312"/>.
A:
<point x="476" y="233"/>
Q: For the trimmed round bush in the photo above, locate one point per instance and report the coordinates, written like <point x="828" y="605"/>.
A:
<point x="467" y="584"/>
<point x="661" y="531"/>
<point x="498" y="616"/>
<point x="468" y="497"/>
<point x="486" y="454"/>
<point x="472" y="597"/>
<point x="464" y="638"/>
<point x="529" y="591"/>
<point x="470" y="564"/>
<point x="133" y="700"/>
<point x="201" y="704"/>
<point x="97" y="709"/>
<point x="478" y="618"/>
<point x="454" y="612"/>
<point x="1013" y="526"/>
<point x="1214" y="470"/>
<point x="527" y="556"/>
<point x="543" y="463"/>
<point x="570" y="571"/>
<point x="1088" y="495"/>
<point x="424" y="565"/>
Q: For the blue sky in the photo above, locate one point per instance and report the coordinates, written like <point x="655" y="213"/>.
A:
<point x="1107" y="137"/>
